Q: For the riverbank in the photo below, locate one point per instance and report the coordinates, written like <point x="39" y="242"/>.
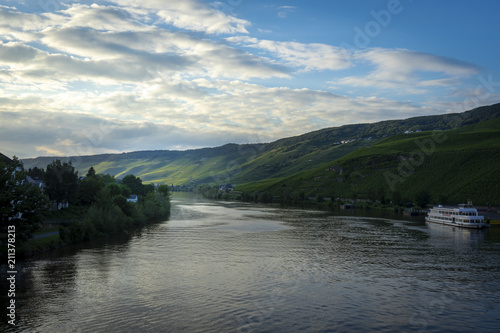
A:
<point x="81" y="224"/>
<point x="319" y="202"/>
<point x="492" y="214"/>
<point x="49" y="241"/>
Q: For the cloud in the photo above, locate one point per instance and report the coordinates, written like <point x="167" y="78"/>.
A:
<point x="28" y="63"/>
<point x="13" y="53"/>
<point x="72" y="134"/>
<point x="107" y="58"/>
<point x="18" y="26"/>
<point x="312" y="56"/>
<point x="405" y="69"/>
<point x="191" y="15"/>
<point x="285" y="10"/>
<point x="103" y="18"/>
<point x="403" y="63"/>
<point x="113" y="43"/>
<point x="180" y="115"/>
<point x="17" y="21"/>
<point x="228" y="62"/>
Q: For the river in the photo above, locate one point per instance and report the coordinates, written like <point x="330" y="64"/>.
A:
<point x="233" y="267"/>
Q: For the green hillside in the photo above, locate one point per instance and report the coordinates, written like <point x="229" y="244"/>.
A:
<point x="453" y="166"/>
<point x="346" y="160"/>
<point x="178" y="167"/>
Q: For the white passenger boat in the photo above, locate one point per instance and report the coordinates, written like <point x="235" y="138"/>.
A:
<point x="464" y="216"/>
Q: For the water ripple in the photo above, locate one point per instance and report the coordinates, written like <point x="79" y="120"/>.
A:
<point x="230" y="268"/>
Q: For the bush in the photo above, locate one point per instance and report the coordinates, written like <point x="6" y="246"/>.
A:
<point x="266" y="197"/>
<point x="77" y="232"/>
<point x="124" y="205"/>
<point x="138" y="216"/>
<point x="111" y="213"/>
<point x="156" y="206"/>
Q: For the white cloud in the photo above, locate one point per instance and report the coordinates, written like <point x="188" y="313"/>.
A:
<point x="405" y="69"/>
<point x="285" y="10"/>
<point x="15" y="20"/>
<point x="313" y="56"/>
<point x="103" y="18"/>
<point x="182" y="114"/>
<point x="191" y="15"/>
<point x="14" y="52"/>
<point x="28" y="63"/>
<point x="108" y="58"/>
<point x="18" y="26"/>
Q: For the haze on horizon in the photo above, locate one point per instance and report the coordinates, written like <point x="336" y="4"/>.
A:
<point x="85" y="77"/>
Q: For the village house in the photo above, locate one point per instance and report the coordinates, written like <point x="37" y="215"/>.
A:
<point x="133" y="198"/>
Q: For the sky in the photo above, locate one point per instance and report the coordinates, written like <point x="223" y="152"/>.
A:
<point x="84" y="77"/>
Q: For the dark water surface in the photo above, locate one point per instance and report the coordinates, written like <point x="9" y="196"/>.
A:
<point x="230" y="267"/>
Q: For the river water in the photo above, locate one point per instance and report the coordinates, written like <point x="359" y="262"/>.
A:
<point x="232" y="267"/>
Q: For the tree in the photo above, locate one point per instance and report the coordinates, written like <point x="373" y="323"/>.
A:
<point x="370" y="195"/>
<point x="107" y="178"/>
<point x="442" y="199"/>
<point x="381" y="195"/>
<point x="36" y="172"/>
<point x="115" y="189"/>
<point x="91" y="172"/>
<point x="125" y="206"/>
<point x="61" y="182"/>
<point x="422" y="198"/>
<point x="89" y="187"/>
<point x="286" y="197"/>
<point x="397" y="199"/>
<point x="125" y="191"/>
<point x="21" y="204"/>
<point x="266" y="197"/>
<point x="148" y="188"/>
<point x="165" y="189"/>
<point x="134" y="184"/>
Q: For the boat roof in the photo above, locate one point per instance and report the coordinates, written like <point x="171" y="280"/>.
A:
<point x="460" y="207"/>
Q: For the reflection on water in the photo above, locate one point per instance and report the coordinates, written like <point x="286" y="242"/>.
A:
<point x="229" y="267"/>
<point x="459" y="237"/>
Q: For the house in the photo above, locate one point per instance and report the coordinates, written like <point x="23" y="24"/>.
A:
<point x="38" y="182"/>
<point x="133" y="198"/>
<point x="226" y="188"/>
<point x="59" y="205"/>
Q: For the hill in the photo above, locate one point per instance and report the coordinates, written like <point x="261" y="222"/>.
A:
<point x="452" y="166"/>
<point x="259" y="166"/>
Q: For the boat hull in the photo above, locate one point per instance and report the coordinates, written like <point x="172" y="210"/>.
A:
<point x="459" y="224"/>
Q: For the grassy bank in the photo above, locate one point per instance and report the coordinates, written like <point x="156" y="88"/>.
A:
<point x="40" y="245"/>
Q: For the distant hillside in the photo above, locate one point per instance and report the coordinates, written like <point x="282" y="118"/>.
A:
<point x="454" y="166"/>
<point x="262" y="164"/>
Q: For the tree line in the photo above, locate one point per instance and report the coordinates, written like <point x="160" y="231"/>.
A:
<point x="98" y="202"/>
<point x="290" y="196"/>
